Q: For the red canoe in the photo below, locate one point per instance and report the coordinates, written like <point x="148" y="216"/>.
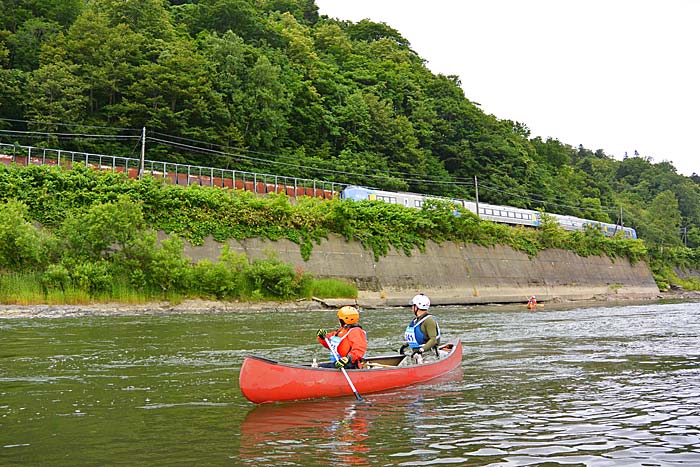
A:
<point x="262" y="380"/>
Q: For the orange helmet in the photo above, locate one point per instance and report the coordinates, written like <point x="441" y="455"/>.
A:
<point x="349" y="315"/>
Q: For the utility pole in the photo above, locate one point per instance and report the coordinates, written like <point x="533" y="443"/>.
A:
<point x="622" y="224"/>
<point x="143" y="152"/>
<point x="476" y="189"/>
<point x="685" y="236"/>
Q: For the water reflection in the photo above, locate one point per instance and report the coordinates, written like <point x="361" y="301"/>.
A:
<point x="303" y="431"/>
<point x="339" y="431"/>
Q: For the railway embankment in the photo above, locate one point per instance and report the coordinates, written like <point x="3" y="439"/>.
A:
<point x="453" y="274"/>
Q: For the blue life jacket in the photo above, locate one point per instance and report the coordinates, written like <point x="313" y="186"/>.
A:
<point x="414" y="336"/>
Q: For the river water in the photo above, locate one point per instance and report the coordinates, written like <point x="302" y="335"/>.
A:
<point x="595" y="386"/>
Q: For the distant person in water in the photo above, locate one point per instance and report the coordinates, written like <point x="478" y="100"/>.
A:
<point x="532" y="303"/>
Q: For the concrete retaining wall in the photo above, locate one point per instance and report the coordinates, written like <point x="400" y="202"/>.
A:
<point x="455" y="274"/>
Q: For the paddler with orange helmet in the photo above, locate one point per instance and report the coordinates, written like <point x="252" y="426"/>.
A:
<point x="349" y="341"/>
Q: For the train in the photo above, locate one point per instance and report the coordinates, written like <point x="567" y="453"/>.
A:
<point x="501" y="214"/>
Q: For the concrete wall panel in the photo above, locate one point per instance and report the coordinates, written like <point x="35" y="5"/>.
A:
<point x="454" y="274"/>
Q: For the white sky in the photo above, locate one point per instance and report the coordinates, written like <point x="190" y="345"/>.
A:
<point x="617" y="75"/>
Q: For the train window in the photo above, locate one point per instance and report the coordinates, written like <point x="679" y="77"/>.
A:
<point x="419" y="203"/>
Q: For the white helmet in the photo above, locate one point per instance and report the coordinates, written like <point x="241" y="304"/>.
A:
<point x="421" y="301"/>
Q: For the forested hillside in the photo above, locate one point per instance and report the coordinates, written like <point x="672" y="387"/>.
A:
<point x="269" y="85"/>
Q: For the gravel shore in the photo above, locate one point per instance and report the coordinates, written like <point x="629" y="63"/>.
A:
<point x="207" y="306"/>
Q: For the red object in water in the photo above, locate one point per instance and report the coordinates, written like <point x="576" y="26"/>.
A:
<point x="262" y="380"/>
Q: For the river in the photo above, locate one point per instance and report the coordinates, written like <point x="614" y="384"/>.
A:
<point x="613" y="385"/>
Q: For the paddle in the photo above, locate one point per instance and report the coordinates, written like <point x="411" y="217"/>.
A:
<point x="345" y="373"/>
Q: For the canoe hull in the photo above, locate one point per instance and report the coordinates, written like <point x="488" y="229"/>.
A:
<point x="263" y="380"/>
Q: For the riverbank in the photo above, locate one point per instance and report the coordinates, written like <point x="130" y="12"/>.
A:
<point x="215" y="307"/>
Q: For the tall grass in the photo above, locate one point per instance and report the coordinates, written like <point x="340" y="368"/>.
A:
<point x="330" y="288"/>
<point x="27" y="289"/>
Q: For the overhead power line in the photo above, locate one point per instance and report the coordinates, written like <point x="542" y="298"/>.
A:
<point x="544" y="201"/>
<point x="204" y="147"/>
<point x="67" y="135"/>
<point x="79" y="125"/>
<point x="402" y="176"/>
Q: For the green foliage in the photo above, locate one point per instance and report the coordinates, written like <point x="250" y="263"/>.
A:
<point x="106" y="241"/>
<point x="93" y="277"/>
<point x="56" y="276"/>
<point x="169" y="269"/>
<point x="274" y="279"/>
<point x="21" y="244"/>
<point x="102" y="229"/>
<point x="663" y="220"/>
<point x="551" y="234"/>
<point x="223" y="280"/>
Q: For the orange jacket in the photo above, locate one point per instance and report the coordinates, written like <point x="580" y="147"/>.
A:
<point x="354" y="345"/>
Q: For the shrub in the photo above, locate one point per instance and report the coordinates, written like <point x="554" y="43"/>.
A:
<point x="169" y="269"/>
<point x="103" y="229"/>
<point x="21" y="244"/>
<point x="214" y="280"/>
<point x="275" y="279"/>
<point x="56" y="276"/>
<point x="92" y="277"/>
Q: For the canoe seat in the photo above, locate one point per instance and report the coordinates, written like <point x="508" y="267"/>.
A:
<point x="383" y="361"/>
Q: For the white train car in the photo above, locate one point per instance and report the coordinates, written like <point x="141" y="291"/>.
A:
<point x="508" y="214"/>
<point x="491" y="212"/>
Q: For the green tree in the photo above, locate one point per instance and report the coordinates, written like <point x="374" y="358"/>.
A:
<point x="663" y="221"/>
<point x="55" y="92"/>
<point x="109" y="56"/>
<point x="12" y="96"/>
<point x="26" y="43"/>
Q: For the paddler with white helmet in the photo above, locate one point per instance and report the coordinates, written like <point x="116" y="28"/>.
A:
<point x="423" y="332"/>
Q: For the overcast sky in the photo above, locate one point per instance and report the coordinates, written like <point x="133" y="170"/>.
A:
<point x="617" y="75"/>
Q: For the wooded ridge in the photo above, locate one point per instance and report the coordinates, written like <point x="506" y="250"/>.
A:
<point x="271" y="86"/>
